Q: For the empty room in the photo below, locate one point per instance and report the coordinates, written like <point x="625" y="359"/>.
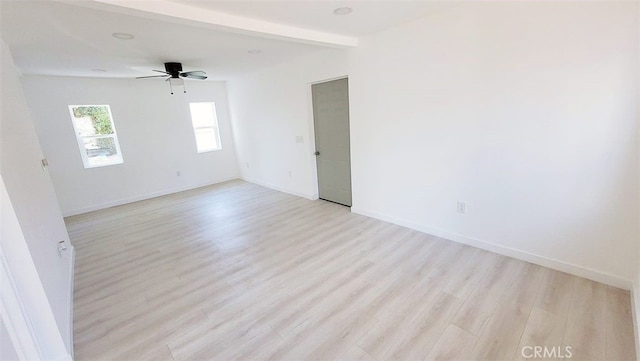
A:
<point x="319" y="180"/>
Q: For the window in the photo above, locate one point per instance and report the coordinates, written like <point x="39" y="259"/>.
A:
<point x="205" y="126"/>
<point x="96" y="135"/>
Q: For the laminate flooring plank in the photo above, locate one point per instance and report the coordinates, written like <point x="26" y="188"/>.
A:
<point x="482" y="302"/>
<point x="543" y="329"/>
<point x="587" y="313"/>
<point x="619" y="329"/>
<point x="236" y="271"/>
<point x="501" y="336"/>
<point x="454" y="344"/>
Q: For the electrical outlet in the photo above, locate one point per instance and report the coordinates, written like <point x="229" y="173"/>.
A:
<point x="247" y="164"/>
<point x="462" y="207"/>
<point x="290" y="174"/>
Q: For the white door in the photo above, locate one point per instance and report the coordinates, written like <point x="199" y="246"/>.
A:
<point x="331" y="124"/>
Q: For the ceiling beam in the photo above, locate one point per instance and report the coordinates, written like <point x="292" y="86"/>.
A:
<point x="190" y="15"/>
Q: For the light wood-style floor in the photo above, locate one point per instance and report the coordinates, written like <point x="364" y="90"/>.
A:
<point x="241" y="272"/>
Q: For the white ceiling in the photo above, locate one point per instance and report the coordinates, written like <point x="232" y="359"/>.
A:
<point x="71" y="38"/>
<point x="367" y="17"/>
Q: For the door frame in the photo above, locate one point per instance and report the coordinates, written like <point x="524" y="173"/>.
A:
<point x="312" y="136"/>
<point x="24" y="307"/>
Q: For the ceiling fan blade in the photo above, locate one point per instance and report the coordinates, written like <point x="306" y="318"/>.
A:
<point x="160" y="71"/>
<point x="198" y="74"/>
<point x="151" y="76"/>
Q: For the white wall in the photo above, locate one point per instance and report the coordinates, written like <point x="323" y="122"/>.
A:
<point x="154" y="131"/>
<point x="31" y="327"/>
<point x="32" y="225"/>
<point x="7" y="350"/>
<point x="270" y="108"/>
<point x="525" y="111"/>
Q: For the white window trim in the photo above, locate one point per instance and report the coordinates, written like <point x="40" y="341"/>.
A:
<point x="217" y="132"/>
<point x="215" y="127"/>
<point x="80" y="139"/>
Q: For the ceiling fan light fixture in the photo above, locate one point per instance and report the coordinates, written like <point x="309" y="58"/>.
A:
<point x="174" y="75"/>
<point x="176" y="83"/>
<point x="342" y="11"/>
<point x="123" y="36"/>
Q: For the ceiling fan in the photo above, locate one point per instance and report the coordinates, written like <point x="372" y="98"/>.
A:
<point x="174" y="74"/>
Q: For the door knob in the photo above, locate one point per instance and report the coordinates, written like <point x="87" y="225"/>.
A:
<point x="317" y="153"/>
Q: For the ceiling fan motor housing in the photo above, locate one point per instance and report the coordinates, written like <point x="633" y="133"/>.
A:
<point x="173" y="68"/>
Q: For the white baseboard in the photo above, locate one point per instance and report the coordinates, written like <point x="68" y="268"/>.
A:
<point x="559" y="265"/>
<point x="280" y="189"/>
<point x="119" y="202"/>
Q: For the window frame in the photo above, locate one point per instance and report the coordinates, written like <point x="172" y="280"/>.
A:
<point x="215" y="127"/>
<point x="80" y="139"/>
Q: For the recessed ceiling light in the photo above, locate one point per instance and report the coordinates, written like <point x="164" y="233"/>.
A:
<point x="99" y="70"/>
<point x="343" y="11"/>
<point x="122" y="36"/>
<point x="254" y="51"/>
